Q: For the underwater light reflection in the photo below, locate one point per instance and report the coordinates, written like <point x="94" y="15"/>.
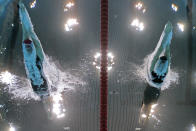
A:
<point x="69" y="5"/>
<point x="33" y="4"/>
<point x="174" y="7"/>
<point x="97" y="60"/>
<point x="193" y="127"/>
<point x="137" y="24"/>
<point x="70" y="24"/>
<point x="57" y="107"/>
<point x="144" y="115"/>
<point x="140" y="6"/>
<point x="181" y="26"/>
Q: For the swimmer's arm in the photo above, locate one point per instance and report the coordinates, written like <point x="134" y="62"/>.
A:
<point x="38" y="46"/>
<point x="168" y="55"/>
<point x="155" y="58"/>
<point x="25" y="19"/>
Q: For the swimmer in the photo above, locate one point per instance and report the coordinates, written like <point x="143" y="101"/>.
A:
<point x="33" y="53"/>
<point x="161" y="61"/>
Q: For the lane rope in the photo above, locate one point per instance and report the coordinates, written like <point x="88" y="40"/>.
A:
<point x="104" y="62"/>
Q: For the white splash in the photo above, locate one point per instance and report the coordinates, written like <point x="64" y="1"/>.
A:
<point x="20" y="87"/>
<point x="58" y="79"/>
<point x="6" y="78"/>
<point x="59" y="82"/>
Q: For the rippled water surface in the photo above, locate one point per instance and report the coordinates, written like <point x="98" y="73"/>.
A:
<point x="69" y="31"/>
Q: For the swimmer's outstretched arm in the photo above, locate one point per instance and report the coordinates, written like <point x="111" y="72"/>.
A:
<point x="167" y="54"/>
<point x="38" y="46"/>
<point x="165" y="40"/>
<point x="25" y="20"/>
<point x="28" y="31"/>
<point x="155" y="58"/>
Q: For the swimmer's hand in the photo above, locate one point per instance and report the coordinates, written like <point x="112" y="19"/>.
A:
<point x="20" y="4"/>
<point x="21" y="7"/>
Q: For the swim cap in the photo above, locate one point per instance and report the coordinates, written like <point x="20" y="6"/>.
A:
<point x="27" y="41"/>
